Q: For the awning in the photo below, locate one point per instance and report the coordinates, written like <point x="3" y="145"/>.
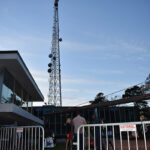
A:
<point x="12" y="61"/>
<point x="10" y="113"/>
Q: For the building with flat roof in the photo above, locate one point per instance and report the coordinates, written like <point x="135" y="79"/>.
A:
<point x="18" y="91"/>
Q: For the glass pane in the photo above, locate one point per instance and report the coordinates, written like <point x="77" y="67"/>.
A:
<point x="18" y="98"/>
<point x="7" y="88"/>
<point x="24" y="104"/>
<point x="7" y="95"/>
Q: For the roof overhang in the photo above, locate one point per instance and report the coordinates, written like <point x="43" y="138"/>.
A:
<point x="12" y="61"/>
<point x="10" y="113"/>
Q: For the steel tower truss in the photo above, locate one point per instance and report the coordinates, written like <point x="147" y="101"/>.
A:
<point x="54" y="95"/>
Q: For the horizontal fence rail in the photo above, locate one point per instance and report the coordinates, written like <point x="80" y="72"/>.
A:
<point x="22" y="138"/>
<point x="114" y="136"/>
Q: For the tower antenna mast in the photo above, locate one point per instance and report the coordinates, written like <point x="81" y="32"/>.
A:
<point x="54" y="94"/>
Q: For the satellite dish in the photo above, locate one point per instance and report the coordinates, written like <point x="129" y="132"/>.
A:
<point x="50" y="64"/>
<point x="60" y="39"/>
<point x="49" y="70"/>
<point x="50" y="55"/>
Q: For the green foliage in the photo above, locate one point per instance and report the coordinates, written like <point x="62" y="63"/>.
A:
<point x="137" y="91"/>
<point x="134" y="91"/>
<point x="99" y="98"/>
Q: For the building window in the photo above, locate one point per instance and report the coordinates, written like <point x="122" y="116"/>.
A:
<point x="25" y="99"/>
<point x="7" y="89"/>
<point x="13" y="92"/>
<point x="18" y="94"/>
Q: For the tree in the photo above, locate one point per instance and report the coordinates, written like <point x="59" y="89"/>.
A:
<point x="137" y="91"/>
<point x="147" y="85"/>
<point x="147" y="81"/>
<point x="131" y="92"/>
<point x="99" y="98"/>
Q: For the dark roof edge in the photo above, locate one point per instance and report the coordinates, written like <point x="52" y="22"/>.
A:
<point x="8" y="51"/>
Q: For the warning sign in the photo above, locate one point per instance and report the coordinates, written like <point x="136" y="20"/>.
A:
<point x="128" y="127"/>
<point x="19" y="130"/>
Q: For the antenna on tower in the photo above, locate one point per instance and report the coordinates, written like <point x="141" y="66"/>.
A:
<point x="54" y="94"/>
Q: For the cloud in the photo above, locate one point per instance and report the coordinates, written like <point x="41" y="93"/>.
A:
<point x="74" y="101"/>
<point x="112" y="49"/>
<point x="79" y="90"/>
<point x="133" y="47"/>
<point x="39" y="73"/>
<point x="110" y="72"/>
<point x="70" y="90"/>
<point x="42" y="77"/>
<point x="79" y="93"/>
<point x="41" y="80"/>
<point x="93" y="82"/>
<point x="114" y="45"/>
<point x="22" y="41"/>
<point x="79" y="46"/>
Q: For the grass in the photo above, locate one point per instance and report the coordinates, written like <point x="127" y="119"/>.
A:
<point x="59" y="146"/>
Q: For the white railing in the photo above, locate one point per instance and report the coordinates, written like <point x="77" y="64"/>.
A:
<point x="114" y="136"/>
<point x="22" y="138"/>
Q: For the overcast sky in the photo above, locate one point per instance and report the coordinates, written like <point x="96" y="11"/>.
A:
<point x="106" y="43"/>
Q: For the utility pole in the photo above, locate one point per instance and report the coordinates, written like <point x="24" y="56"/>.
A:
<point x="54" y="94"/>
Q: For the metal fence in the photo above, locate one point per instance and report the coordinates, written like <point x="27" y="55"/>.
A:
<point x="22" y="138"/>
<point x="114" y="136"/>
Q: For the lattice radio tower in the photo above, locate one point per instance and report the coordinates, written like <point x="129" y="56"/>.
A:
<point x="54" y="95"/>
